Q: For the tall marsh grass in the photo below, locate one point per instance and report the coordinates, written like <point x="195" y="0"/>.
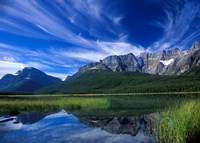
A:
<point x="180" y="124"/>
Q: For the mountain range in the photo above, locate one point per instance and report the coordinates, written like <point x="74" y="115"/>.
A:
<point x="167" y="71"/>
<point x="170" y="62"/>
<point x="27" y="80"/>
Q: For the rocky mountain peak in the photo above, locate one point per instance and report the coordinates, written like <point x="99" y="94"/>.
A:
<point x="94" y="66"/>
<point x="25" y="70"/>
<point x="167" y="62"/>
<point x="197" y="43"/>
<point x="115" y="63"/>
<point x="122" y="63"/>
<point x="27" y="80"/>
<point x="171" y="54"/>
<point x="30" y="72"/>
<point x="195" y="46"/>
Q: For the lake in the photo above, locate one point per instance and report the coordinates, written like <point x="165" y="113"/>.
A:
<point x="82" y="119"/>
<point x="64" y="127"/>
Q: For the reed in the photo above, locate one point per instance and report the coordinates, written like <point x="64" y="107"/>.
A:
<point x="180" y="124"/>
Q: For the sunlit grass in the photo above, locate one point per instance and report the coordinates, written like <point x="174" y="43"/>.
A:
<point x="34" y="103"/>
<point x="180" y="123"/>
<point x="123" y="102"/>
<point x="46" y="104"/>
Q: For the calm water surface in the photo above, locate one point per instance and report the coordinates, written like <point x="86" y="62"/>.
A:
<point x="62" y="127"/>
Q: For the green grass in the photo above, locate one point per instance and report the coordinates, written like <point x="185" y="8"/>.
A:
<point x="91" y="102"/>
<point x="181" y="123"/>
<point x="50" y="104"/>
<point x="87" y="102"/>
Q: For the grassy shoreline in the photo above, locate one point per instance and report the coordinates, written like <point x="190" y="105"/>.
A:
<point x="103" y="94"/>
<point x="179" y="121"/>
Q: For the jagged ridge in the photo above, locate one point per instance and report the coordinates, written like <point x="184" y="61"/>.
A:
<point x="163" y="63"/>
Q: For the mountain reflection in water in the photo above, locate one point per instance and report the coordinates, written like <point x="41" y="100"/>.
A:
<point x="60" y="127"/>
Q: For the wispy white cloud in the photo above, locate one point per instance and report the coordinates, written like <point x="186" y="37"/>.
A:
<point x="119" y="48"/>
<point x="6" y="46"/>
<point x="42" y="28"/>
<point x="13" y="58"/>
<point x="24" y="54"/>
<point x="82" y="15"/>
<point x="117" y="20"/>
<point x="10" y="67"/>
<point x="9" y="59"/>
<point x="80" y="24"/>
<point x="38" y="65"/>
<point x="123" y="37"/>
<point x="71" y="65"/>
<point x="36" y="19"/>
<point x="178" y="24"/>
<point x="80" y="54"/>
<point x="103" y="49"/>
<point x="160" y="46"/>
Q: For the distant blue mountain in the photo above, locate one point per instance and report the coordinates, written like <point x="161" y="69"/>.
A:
<point x="26" y="80"/>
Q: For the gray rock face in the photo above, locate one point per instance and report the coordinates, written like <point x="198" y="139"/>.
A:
<point x="195" y="47"/>
<point x="94" y="66"/>
<point x="115" y="63"/>
<point x="195" y="59"/>
<point x="165" y="63"/>
<point x="171" y="54"/>
<point x="150" y="62"/>
<point x="122" y="63"/>
<point x="168" y="62"/>
<point x="189" y="61"/>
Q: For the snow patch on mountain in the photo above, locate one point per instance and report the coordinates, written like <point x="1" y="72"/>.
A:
<point x="167" y="62"/>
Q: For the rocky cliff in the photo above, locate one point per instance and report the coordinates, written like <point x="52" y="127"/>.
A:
<point x="167" y="62"/>
<point x="122" y="63"/>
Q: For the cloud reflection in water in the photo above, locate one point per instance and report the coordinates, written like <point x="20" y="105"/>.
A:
<point x="62" y="128"/>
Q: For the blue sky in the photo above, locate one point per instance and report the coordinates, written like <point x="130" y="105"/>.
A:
<point x="60" y="36"/>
